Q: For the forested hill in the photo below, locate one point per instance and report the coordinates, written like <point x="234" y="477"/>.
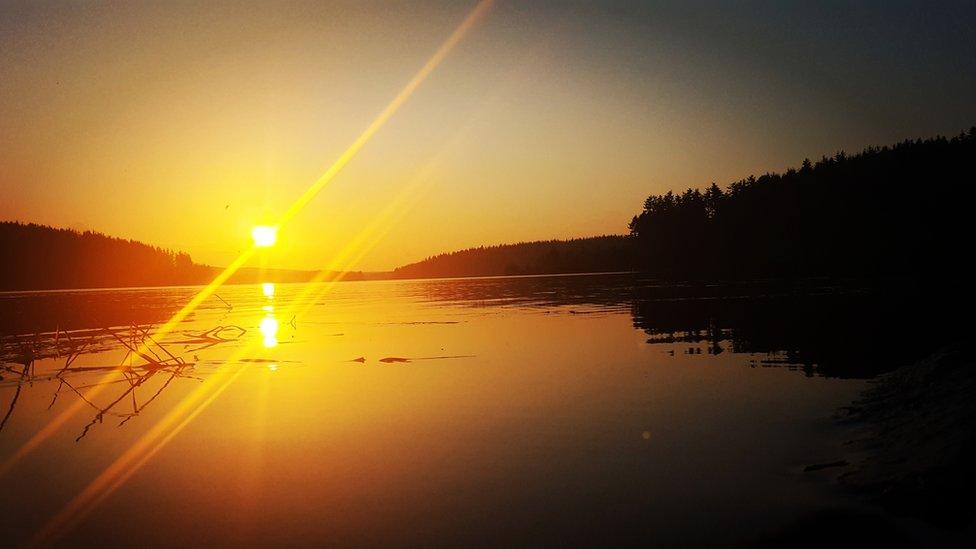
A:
<point x="595" y="254"/>
<point x="41" y="257"/>
<point x="37" y="257"/>
<point x="903" y="210"/>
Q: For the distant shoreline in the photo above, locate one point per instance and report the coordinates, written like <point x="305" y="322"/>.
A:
<point x="367" y="277"/>
<point x="845" y="216"/>
<point x="43" y="258"/>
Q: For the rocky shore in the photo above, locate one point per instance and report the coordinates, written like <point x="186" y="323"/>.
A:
<point x="914" y="450"/>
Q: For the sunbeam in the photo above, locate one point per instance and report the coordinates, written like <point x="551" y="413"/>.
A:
<point x="154" y="439"/>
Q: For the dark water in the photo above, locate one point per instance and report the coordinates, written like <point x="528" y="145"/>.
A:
<point x="503" y="411"/>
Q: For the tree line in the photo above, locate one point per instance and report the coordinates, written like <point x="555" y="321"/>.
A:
<point x="41" y="257"/>
<point x="900" y="210"/>
<point x="580" y="255"/>
<point x="886" y="211"/>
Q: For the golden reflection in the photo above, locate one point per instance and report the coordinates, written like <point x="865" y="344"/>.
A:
<point x="269" y="329"/>
<point x="269" y="324"/>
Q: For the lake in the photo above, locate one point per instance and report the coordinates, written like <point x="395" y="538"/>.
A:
<point x="498" y="411"/>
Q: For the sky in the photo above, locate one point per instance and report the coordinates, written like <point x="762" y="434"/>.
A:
<point x="184" y="125"/>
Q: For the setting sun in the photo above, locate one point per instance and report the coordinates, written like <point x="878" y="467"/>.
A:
<point x="264" y="236"/>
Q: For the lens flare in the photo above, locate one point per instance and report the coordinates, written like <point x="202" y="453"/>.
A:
<point x="186" y="410"/>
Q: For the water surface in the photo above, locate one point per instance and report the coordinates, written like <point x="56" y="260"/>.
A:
<point x="477" y="411"/>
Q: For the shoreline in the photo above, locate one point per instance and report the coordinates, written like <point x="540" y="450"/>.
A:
<point x="915" y="440"/>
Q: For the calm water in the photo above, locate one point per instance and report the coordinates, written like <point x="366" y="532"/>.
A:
<point x="484" y="412"/>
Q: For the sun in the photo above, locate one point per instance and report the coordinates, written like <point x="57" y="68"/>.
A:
<point x="264" y="236"/>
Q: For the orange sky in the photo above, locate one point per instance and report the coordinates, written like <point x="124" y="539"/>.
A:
<point x="183" y="126"/>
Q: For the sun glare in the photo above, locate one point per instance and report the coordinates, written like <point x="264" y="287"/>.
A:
<point x="264" y="236"/>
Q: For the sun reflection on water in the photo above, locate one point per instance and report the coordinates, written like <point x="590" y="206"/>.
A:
<point x="269" y="324"/>
<point x="269" y="329"/>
